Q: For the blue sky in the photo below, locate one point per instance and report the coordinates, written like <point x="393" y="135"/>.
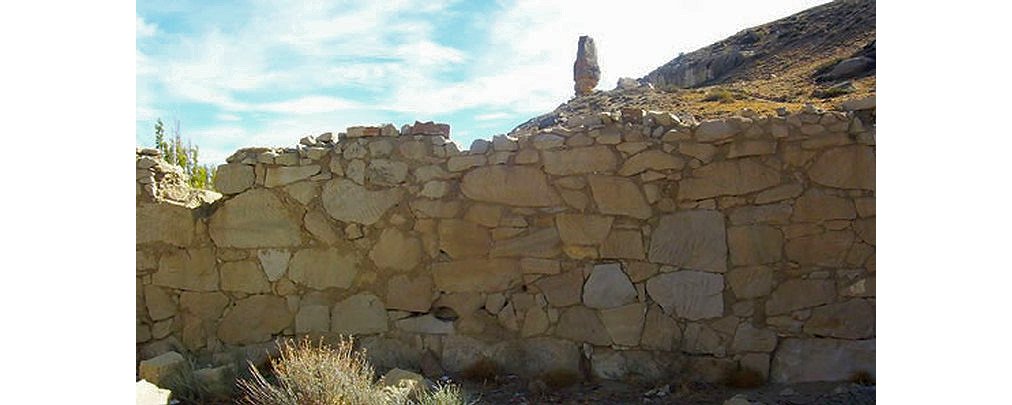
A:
<point x="266" y="73"/>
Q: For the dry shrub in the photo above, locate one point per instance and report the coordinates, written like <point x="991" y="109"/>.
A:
<point x="721" y="95"/>
<point x="482" y="370"/>
<point x="745" y="378"/>
<point x="305" y="373"/>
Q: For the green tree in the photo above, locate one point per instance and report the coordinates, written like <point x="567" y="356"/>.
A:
<point x="185" y="156"/>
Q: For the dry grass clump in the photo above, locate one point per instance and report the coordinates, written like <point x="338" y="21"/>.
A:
<point x="317" y="374"/>
<point x="721" y="95"/>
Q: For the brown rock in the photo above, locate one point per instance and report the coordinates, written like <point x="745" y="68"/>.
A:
<point x="409" y="293"/>
<point x="793" y="295"/>
<point x="543" y="243"/>
<point x="692" y="295"/>
<point x="729" y="177"/>
<point x="650" y="160"/>
<point x="478" y="275"/>
<point x="233" y="178"/>
<point x="581" y="324"/>
<point x="204" y="305"/>
<point x="691" y="239"/>
<point x="586" y="73"/>
<point x="660" y="332"/>
<point x="165" y="222"/>
<point x="430" y="128"/>
<point x="750" y="282"/>
<point x="244" y="276"/>
<point x="349" y="202"/>
<point x="520" y="186"/>
<point x="360" y="314"/>
<point x="397" y="251"/>
<point x="322" y="268"/>
<point x="254" y="320"/>
<point x="824" y="249"/>
<point x="757" y="244"/>
<point x="854" y="319"/>
<point x="623" y="244"/>
<point x="562" y="290"/>
<point x="624" y="324"/>
<point x="575" y="229"/>
<point x="254" y="219"/>
<point x="190" y="269"/>
<point x="815" y="206"/>
<point x="808" y="360"/>
<point x="749" y="339"/>
<point x="461" y="239"/>
<point x="845" y="167"/>
<point x="593" y="159"/>
<point x="619" y="196"/>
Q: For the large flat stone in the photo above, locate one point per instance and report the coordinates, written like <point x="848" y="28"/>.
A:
<point x="619" y="196"/>
<point x="845" y="167"/>
<point x="693" y="240"/>
<point x="691" y="295"/>
<point x="625" y="323"/>
<point x="322" y="268"/>
<point x="409" y="293"/>
<point x="165" y="222"/>
<point x="461" y="239"/>
<point x="396" y="250"/>
<point x="750" y="282"/>
<point x="562" y="290"/>
<point x="282" y="175"/>
<point x="825" y="249"/>
<point x="190" y="269"/>
<point x="164" y="370"/>
<point x="478" y="275"/>
<point x="608" y="287"/>
<point x="793" y="295"/>
<point x="854" y="319"/>
<point x="660" y="332"/>
<point x="815" y="206"/>
<point x="650" y="160"/>
<point x="511" y="185"/>
<point x="593" y="159"/>
<point x="360" y="314"/>
<point x="623" y="244"/>
<point x="255" y="219"/>
<point x="576" y="229"/>
<point x="809" y="360"/>
<point x="254" y="319"/>
<point x="582" y="324"/>
<point x="346" y="201"/>
<point x="233" y="178"/>
<point x="729" y="177"/>
<point x="757" y="244"/>
<point x="542" y="243"/>
<point x="243" y="276"/>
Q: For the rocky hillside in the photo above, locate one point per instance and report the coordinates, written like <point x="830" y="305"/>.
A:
<point x="819" y="56"/>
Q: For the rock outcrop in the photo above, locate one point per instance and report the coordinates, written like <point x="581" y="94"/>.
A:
<point x="586" y="73"/>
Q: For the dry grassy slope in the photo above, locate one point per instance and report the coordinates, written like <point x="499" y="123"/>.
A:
<point x="787" y="58"/>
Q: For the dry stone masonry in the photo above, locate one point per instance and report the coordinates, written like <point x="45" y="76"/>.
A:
<point x="629" y="245"/>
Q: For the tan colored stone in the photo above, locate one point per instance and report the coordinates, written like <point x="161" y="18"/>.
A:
<point x="751" y="148"/>
<point x="650" y="160"/>
<point x="479" y="275"/>
<point x="159" y="303"/>
<point x="233" y="178"/>
<point x="750" y="339"/>
<point x="303" y="191"/>
<point x="322" y="268"/>
<point x="729" y="177"/>
<point x="702" y="151"/>
<point x="409" y="293"/>
<point x="563" y="289"/>
<point x="190" y="269"/>
<point x="639" y="271"/>
<point x="815" y="206"/>
<point x="282" y="175"/>
<point x="624" y="324"/>
<point x="593" y="159"/>
<point x="623" y="244"/>
<point x="150" y="394"/>
<point x="865" y="229"/>
<point x="542" y="243"/>
<point x="660" y="332"/>
<point x="204" y="305"/>
<point x="396" y="250"/>
<point x="319" y="226"/>
<point x="702" y="339"/>
<point x="793" y="295"/>
<point x="244" y="276"/>
<point x="692" y="295"/>
<point x="461" y="239"/>
<point x="484" y="214"/>
<point x="165" y="222"/>
<point x="608" y="287"/>
<point x="576" y="199"/>
<point x="274" y="262"/>
<point x="619" y="196"/>
<point x="386" y="172"/>
<point x="539" y="266"/>
<point x="750" y="282"/>
<point x="254" y="320"/>
<point x="845" y="167"/>
<point x="535" y="323"/>
<point x="576" y="229"/>
<point x="691" y="239"/>
<point x="824" y="249"/>
<point x="581" y="324"/>
<point x="312" y="318"/>
<point x="164" y="370"/>
<point x="461" y="163"/>
<point x="360" y="314"/>
<point x="865" y="206"/>
<point x="425" y="208"/>
<point x="519" y="186"/>
<point x="756" y="244"/>
<point x="349" y="202"/>
<point x="716" y="130"/>
<point x="776" y="214"/>
<point x="254" y="219"/>
<point x="779" y="193"/>
<point x="854" y="319"/>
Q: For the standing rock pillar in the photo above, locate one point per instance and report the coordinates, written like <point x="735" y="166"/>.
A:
<point x="586" y="73"/>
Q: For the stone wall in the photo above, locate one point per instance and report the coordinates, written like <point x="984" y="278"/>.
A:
<point x="626" y="245"/>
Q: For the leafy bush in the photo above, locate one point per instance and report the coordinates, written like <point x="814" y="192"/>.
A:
<point x="317" y="374"/>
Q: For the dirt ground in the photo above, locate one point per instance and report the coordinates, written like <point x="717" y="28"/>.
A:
<point x="511" y="390"/>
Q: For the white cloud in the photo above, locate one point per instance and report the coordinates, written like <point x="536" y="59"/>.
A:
<point x="145" y="29"/>
<point x="306" y="105"/>
<point x="491" y="116"/>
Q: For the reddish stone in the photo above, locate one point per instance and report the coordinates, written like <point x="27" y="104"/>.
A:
<point x="430" y="128"/>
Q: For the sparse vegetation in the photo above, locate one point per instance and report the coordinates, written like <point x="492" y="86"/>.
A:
<point x="308" y="373"/>
<point x="185" y="156"/>
<point x="721" y="95"/>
